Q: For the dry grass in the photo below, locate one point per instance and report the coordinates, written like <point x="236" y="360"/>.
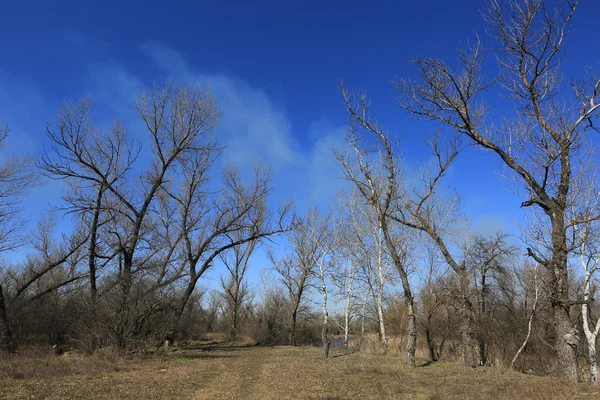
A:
<point x="213" y="370"/>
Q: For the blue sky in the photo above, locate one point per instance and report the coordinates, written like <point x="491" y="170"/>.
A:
<point x="273" y="66"/>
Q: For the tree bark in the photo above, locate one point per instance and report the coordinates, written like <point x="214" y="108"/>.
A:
<point x="347" y="308"/>
<point x="92" y="251"/>
<point x="430" y="344"/>
<point x="382" y="335"/>
<point x="93" y="267"/>
<point x="411" y="344"/>
<point x="6" y="337"/>
<point x="589" y="334"/>
<point x="566" y="345"/>
<point x="234" y="319"/>
<point x="294" y="316"/>
<point x="325" y="328"/>
<point x="481" y="334"/>
<point x="593" y="360"/>
<point x="467" y="322"/>
<point x="567" y="342"/>
<point x="347" y="320"/>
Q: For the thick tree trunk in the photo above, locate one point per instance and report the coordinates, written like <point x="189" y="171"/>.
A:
<point x="92" y="251"/>
<point x="593" y="360"/>
<point x="566" y="345"/>
<point x="292" y="339"/>
<point x="482" y="357"/>
<point x="126" y="274"/>
<point x="123" y="312"/>
<point x="92" y="268"/>
<point x="430" y="344"/>
<point x="468" y="356"/>
<point x="567" y="337"/>
<point x="481" y="334"/>
<point x="234" y="318"/>
<point x="411" y="344"/>
<point x="590" y="335"/>
<point x="6" y="338"/>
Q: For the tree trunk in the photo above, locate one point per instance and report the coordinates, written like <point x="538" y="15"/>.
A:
<point x="292" y="339"/>
<point x="347" y="310"/>
<point x="430" y="344"/>
<point x="325" y="329"/>
<point x="92" y="251"/>
<point x="382" y="336"/>
<point x="593" y="359"/>
<point x="92" y="268"/>
<point x="566" y="345"/>
<point x="346" y="323"/>
<point x="124" y="306"/>
<point x="481" y="334"/>
<point x="234" y="319"/>
<point x="6" y="338"/>
<point x="362" y="322"/>
<point x="567" y="337"/>
<point x="589" y="334"/>
<point x="482" y="357"/>
<point x="468" y="357"/>
<point x="411" y="344"/>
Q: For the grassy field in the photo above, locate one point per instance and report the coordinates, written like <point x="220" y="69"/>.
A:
<point x="222" y="371"/>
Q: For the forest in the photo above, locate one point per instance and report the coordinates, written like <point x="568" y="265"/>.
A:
<point x="392" y="269"/>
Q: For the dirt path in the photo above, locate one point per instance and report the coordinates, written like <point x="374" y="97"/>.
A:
<point x="238" y="377"/>
<point x="221" y="371"/>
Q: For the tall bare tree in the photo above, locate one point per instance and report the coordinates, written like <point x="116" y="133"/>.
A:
<point x="353" y="249"/>
<point x="432" y="296"/>
<point x="322" y="231"/>
<point x="418" y="208"/>
<point x="379" y="183"/>
<point x="235" y="287"/>
<point x="589" y="257"/>
<point x="236" y="216"/>
<point x="16" y="177"/>
<point x="297" y="266"/>
<point x="488" y="261"/>
<point x="179" y="121"/>
<point x="540" y="145"/>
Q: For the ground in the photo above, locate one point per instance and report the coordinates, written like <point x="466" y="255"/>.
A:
<point x="223" y="371"/>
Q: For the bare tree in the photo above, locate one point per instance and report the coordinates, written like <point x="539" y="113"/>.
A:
<point x="297" y="266"/>
<point x="179" y="121"/>
<point x="539" y="146"/>
<point x="380" y="183"/>
<point x="15" y="178"/>
<point x="322" y="231"/>
<point x="432" y="296"/>
<point x="366" y="249"/>
<point x="350" y="249"/>
<point x="209" y="224"/>
<point x="235" y="287"/>
<point x="488" y="260"/>
<point x="589" y="257"/>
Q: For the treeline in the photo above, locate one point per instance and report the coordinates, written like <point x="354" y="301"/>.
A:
<point x="151" y="216"/>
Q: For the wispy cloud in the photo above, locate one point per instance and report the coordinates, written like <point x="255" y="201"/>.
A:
<point x="253" y="127"/>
